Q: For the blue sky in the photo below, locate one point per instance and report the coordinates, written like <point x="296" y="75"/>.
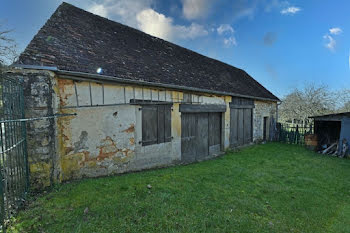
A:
<point x="282" y="44"/>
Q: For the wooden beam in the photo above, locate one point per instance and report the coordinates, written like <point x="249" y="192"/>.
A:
<point x="202" y="108"/>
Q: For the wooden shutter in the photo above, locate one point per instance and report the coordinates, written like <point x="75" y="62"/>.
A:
<point x="167" y="123"/>
<point x="161" y="123"/>
<point x="156" y="124"/>
<point x="149" y="125"/>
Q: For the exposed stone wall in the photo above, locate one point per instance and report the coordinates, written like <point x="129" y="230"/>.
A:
<point x="262" y="109"/>
<point x="39" y="100"/>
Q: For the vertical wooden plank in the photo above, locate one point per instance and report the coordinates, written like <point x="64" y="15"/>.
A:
<point x="214" y="129"/>
<point x="167" y="123"/>
<point x="188" y="138"/>
<point x="184" y="136"/>
<point x="187" y="98"/>
<point x="202" y="136"/>
<point x="211" y="132"/>
<point x="240" y="127"/>
<point x="214" y="133"/>
<point x="149" y="125"/>
<point x="252" y="129"/>
<point x="250" y="125"/>
<point x="218" y="128"/>
<point x="247" y="125"/>
<point x="234" y="127"/>
<point x="161" y="124"/>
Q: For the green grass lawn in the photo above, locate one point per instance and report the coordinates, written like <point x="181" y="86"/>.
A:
<point x="264" y="188"/>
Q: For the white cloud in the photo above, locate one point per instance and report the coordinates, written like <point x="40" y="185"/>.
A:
<point x="154" y="23"/>
<point x="230" y="41"/>
<point x="335" y="31"/>
<point x="98" y="9"/>
<point x="246" y="13"/>
<point x="194" y="9"/>
<point x="139" y="14"/>
<point x="225" y="28"/>
<point x="191" y="32"/>
<point x="228" y="31"/>
<point x="123" y="11"/>
<point x="331" y="43"/>
<point x="290" y="10"/>
<point x="159" y="25"/>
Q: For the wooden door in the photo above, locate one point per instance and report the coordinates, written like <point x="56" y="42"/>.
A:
<point x="265" y="128"/>
<point x="188" y="137"/>
<point x="241" y="126"/>
<point x="200" y="135"/>
<point x="214" y="133"/>
<point x="248" y="126"/>
<point x="202" y="146"/>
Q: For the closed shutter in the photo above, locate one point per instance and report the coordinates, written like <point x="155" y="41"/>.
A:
<point x="156" y="124"/>
<point x="149" y="125"/>
<point x="161" y="124"/>
<point x="167" y="123"/>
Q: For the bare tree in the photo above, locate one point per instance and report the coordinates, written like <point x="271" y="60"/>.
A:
<point x="312" y="100"/>
<point x="8" y="47"/>
<point x="343" y="98"/>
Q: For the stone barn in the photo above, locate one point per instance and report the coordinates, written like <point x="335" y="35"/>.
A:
<point x="127" y="101"/>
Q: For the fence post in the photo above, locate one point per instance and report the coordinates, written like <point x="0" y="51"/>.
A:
<point x="24" y="136"/>
<point x="2" y="204"/>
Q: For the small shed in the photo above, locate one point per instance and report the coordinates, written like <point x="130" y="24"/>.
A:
<point x="333" y="128"/>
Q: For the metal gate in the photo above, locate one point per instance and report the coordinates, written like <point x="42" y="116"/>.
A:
<point x="14" y="171"/>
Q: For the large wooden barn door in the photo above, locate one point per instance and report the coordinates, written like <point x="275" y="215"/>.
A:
<point x="241" y="121"/>
<point x="202" y="145"/>
<point x="188" y="137"/>
<point x="214" y="133"/>
<point x="200" y="135"/>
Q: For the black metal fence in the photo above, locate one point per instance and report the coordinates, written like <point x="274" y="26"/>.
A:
<point x="14" y="171"/>
<point x="293" y="134"/>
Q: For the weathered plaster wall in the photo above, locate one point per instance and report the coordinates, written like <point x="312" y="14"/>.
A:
<point x="96" y="142"/>
<point x="104" y="140"/>
<point x="262" y="109"/>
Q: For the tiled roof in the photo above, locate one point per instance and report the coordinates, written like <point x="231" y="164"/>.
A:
<point x="76" y="40"/>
